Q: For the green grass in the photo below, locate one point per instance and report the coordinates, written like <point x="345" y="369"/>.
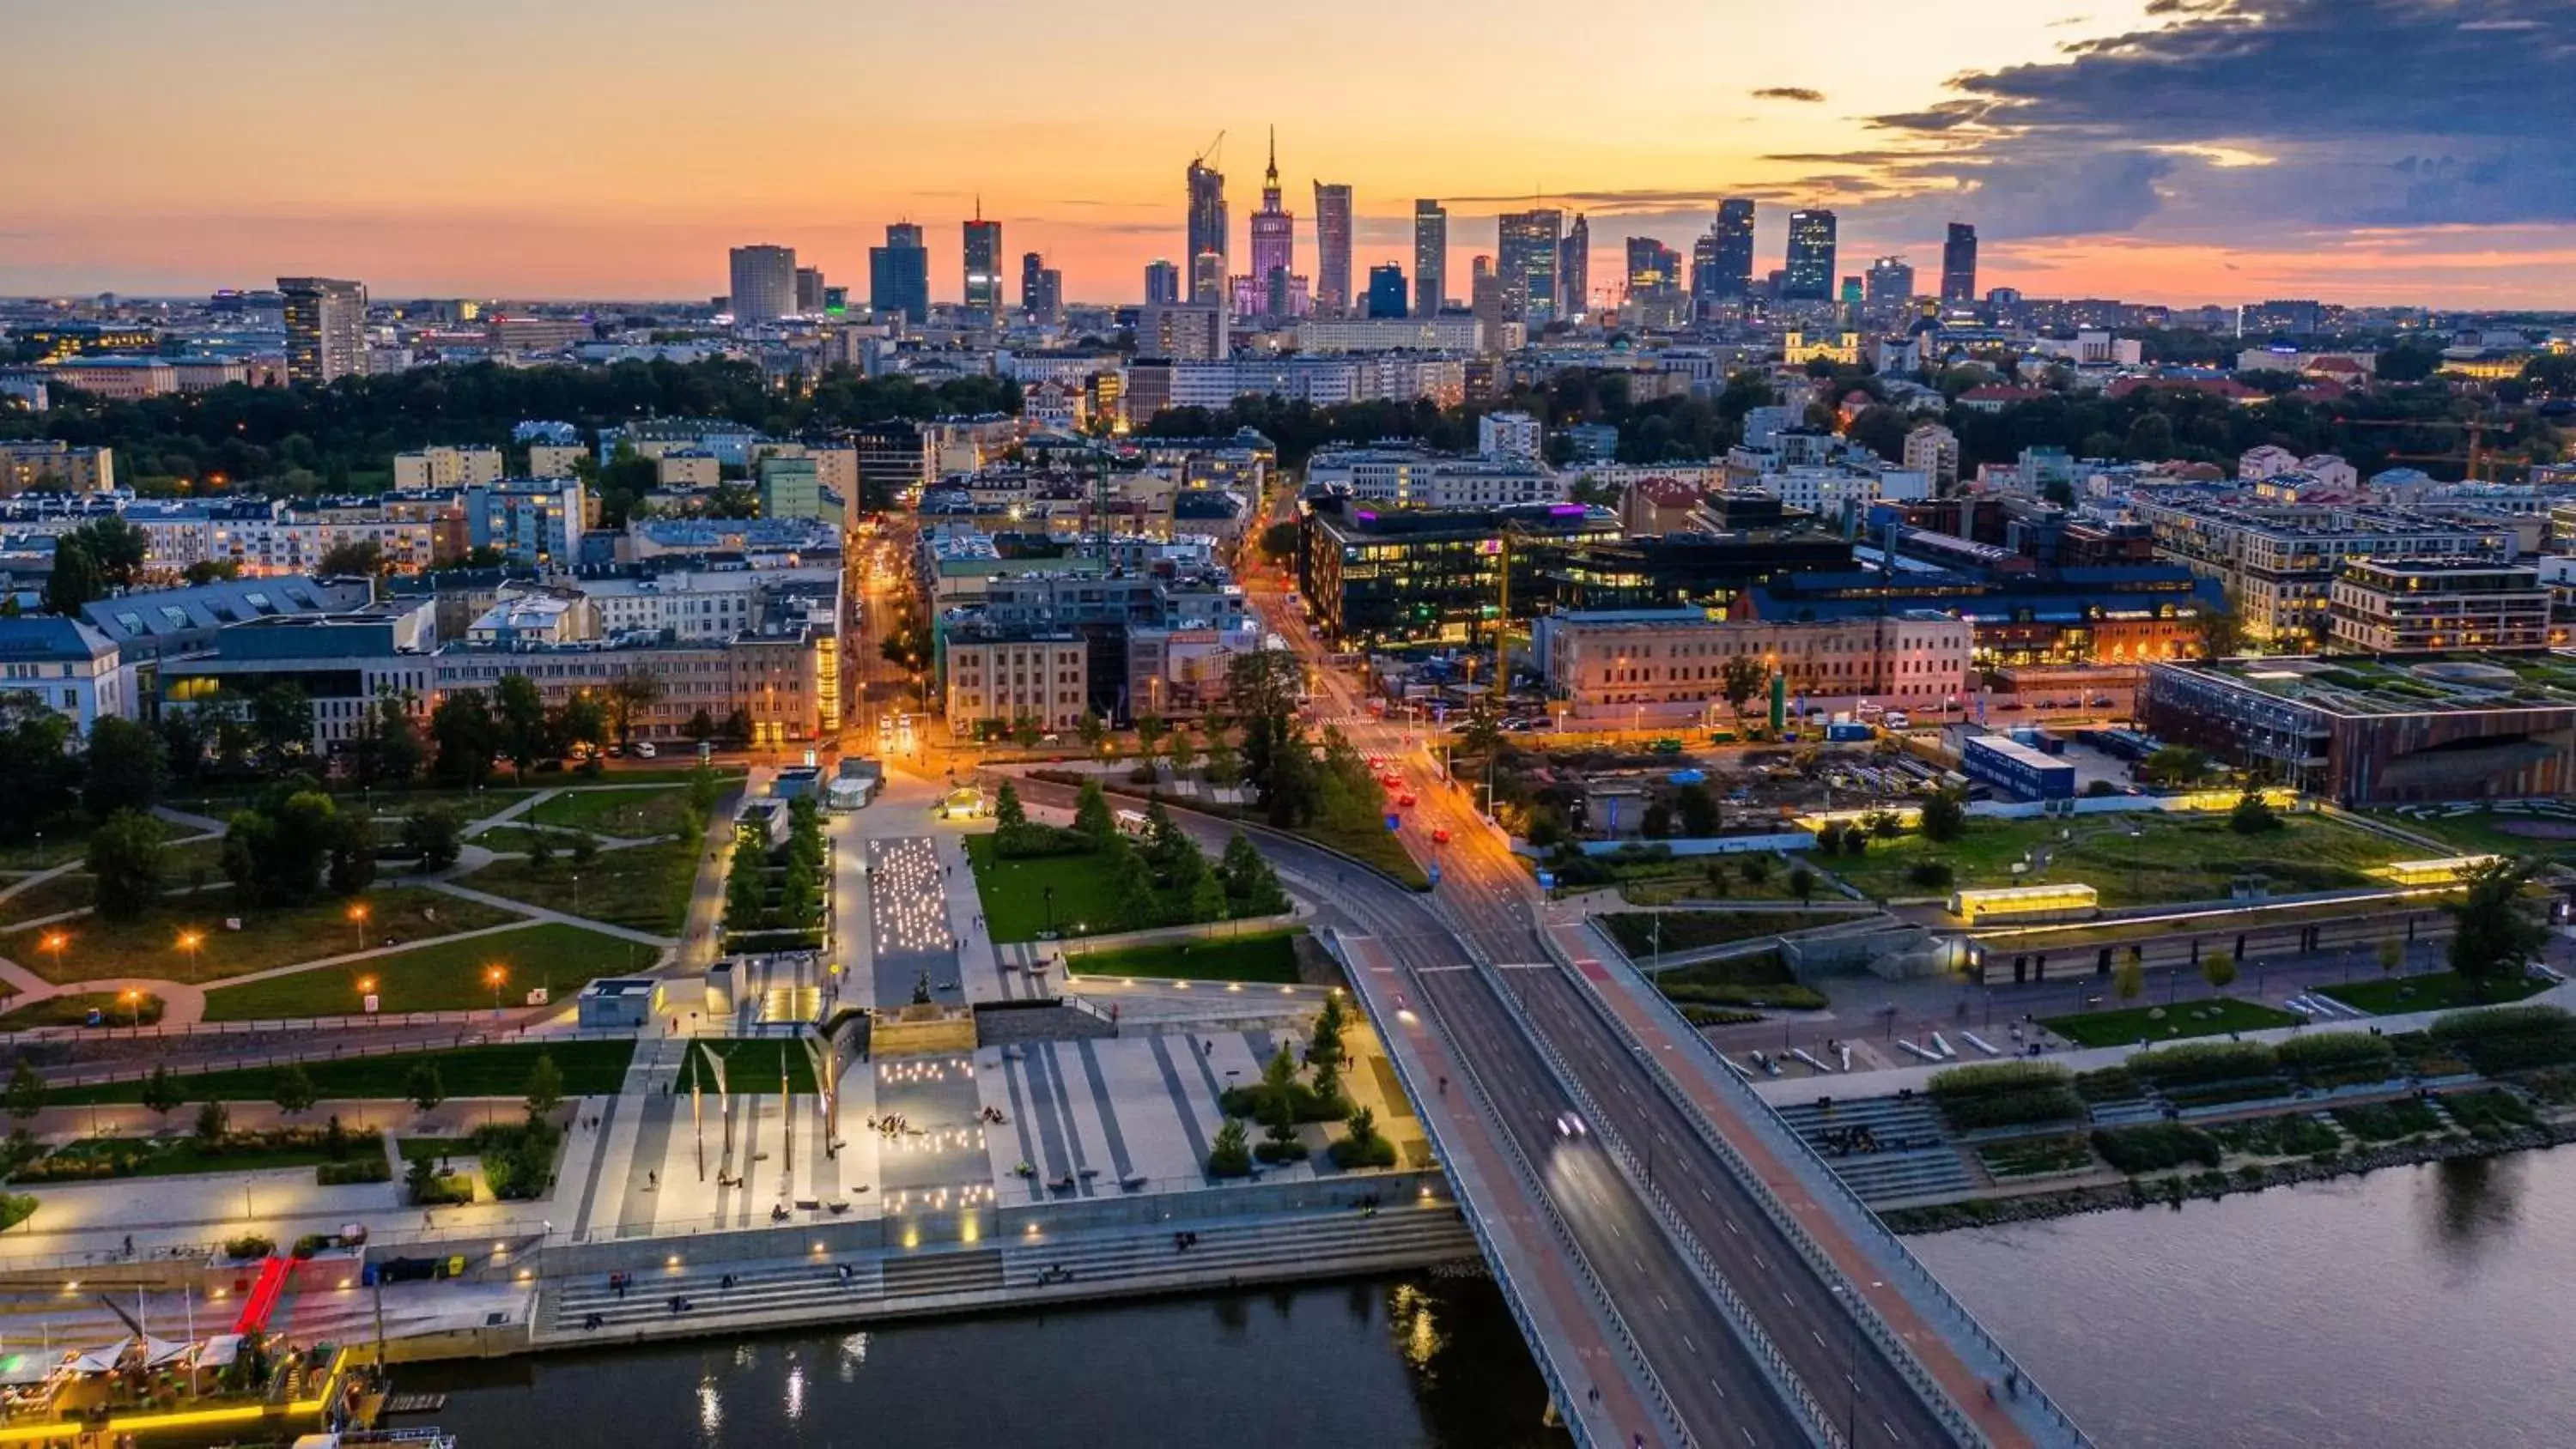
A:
<point x="590" y="1068"/>
<point x="66" y="839"/>
<point x="2294" y="1134"/>
<point x="2388" y="1121"/>
<point x="2483" y="833"/>
<point x="443" y="976"/>
<point x="627" y="813"/>
<point x="2035" y="1157"/>
<point x="644" y="889"/>
<point x="752" y="1065"/>
<point x="73" y="1009"/>
<point x="1014" y="892"/>
<point x="2208" y="1016"/>
<point x="729" y="776"/>
<point x="1639" y="934"/>
<point x="1379" y="848"/>
<point x="2175" y="858"/>
<point x="93" y="948"/>
<point x="187" y="1157"/>
<point x="1759" y="979"/>
<point x="2432" y="991"/>
<point x="73" y="892"/>
<point x="1266" y="956"/>
<point x="434" y="1149"/>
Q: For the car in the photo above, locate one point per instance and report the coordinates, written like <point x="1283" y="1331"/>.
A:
<point x="1570" y="1125"/>
<point x="1391" y="780"/>
<point x="644" y="750"/>
<point x="1440" y="837"/>
<point x="1404" y="801"/>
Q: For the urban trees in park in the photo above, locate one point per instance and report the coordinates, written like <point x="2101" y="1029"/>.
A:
<point x="545" y="1085"/>
<point x="2392" y="954"/>
<point x="466" y="736"/>
<point x="123" y="768"/>
<point x="161" y="1091"/>
<point x="1945" y="816"/>
<point x="294" y="1090"/>
<point x="1802" y="884"/>
<point x="424" y="1086"/>
<point x="2218" y="968"/>
<point x="1739" y="681"/>
<point x="125" y="859"/>
<point x="2493" y="937"/>
<point x="519" y="719"/>
<point x="26" y="1093"/>
<point x="434" y="836"/>
<point x="2128" y="981"/>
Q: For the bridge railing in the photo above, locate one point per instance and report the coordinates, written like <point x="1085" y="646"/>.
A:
<point x="1576" y="1424"/>
<point x="1856" y="1217"/>
<point x="1775" y="1364"/>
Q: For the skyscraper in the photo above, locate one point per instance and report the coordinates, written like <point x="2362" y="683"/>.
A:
<point x="809" y="291"/>
<point x="1274" y="242"/>
<point x="326" y="328"/>
<point x="1527" y="242"/>
<point x="1332" y="248"/>
<point x="1959" y="264"/>
<point x="1574" y="269"/>
<point x="1811" y="257"/>
<point x="1386" y="290"/>
<point x="1207" y="231"/>
<point x="1162" y="283"/>
<point x="1654" y="269"/>
<point x="899" y="274"/>
<point x="764" y="283"/>
<point x="1730" y="253"/>
<point x="1041" y="290"/>
<point x="984" y="265"/>
<point x="1888" y="285"/>
<point x="1430" y="258"/>
<point x="1207" y="280"/>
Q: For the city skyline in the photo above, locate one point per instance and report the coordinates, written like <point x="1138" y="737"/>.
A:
<point x="2114" y="151"/>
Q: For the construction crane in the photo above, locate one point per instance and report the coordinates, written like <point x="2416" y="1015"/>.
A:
<point x="2476" y="458"/>
<point x="1215" y="148"/>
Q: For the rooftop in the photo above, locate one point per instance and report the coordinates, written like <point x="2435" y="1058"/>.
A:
<point x="2360" y="687"/>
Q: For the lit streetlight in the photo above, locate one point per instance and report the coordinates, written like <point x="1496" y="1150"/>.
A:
<point x="55" y="941"/>
<point x="495" y="975"/>
<point x="358" y="918"/>
<point x="189" y="941"/>
<point x="366" y="988"/>
<point x="134" y="1009"/>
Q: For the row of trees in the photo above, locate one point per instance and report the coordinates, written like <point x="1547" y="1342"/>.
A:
<point x="778" y="889"/>
<point x="1162" y="879"/>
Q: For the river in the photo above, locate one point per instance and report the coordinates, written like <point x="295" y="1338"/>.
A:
<point x="2421" y="1307"/>
<point x="1428" y="1360"/>
<point x="2418" y="1307"/>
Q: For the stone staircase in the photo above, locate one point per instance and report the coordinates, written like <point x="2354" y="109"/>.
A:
<point x="1077" y="1265"/>
<point x="1915" y="1155"/>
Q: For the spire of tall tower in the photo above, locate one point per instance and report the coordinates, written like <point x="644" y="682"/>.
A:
<point x="1274" y="155"/>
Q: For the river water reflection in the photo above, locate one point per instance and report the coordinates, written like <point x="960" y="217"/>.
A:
<point x="1423" y="1360"/>
<point x="2414" y="1308"/>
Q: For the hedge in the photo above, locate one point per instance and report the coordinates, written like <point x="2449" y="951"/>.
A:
<point x="2005" y="1094"/>
<point x="2509" y="1038"/>
<point x="2205" y="1061"/>
<point x="2337" y="1058"/>
<point x="2155" y="1146"/>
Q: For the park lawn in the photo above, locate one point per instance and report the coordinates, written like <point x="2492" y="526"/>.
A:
<point x="2431" y="991"/>
<point x="1686" y="879"/>
<point x="73" y="1009"/>
<point x="1264" y="956"/>
<point x="148" y="947"/>
<point x="2175" y="858"/>
<point x="73" y="892"/>
<point x="2208" y="1016"/>
<point x="507" y="839"/>
<point x="727" y="775"/>
<point x="441" y="976"/>
<point x="2483" y="833"/>
<point x="1014" y="892"/>
<point x="630" y="814"/>
<point x="752" y="1065"/>
<point x="66" y="839"/>
<point x="187" y="1157"/>
<point x="1755" y="979"/>
<point x="643" y="889"/>
<point x="590" y="1068"/>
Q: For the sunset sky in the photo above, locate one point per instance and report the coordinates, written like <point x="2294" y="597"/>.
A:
<point x="2166" y="150"/>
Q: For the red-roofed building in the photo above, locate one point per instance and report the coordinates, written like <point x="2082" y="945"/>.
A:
<point x="1658" y="506"/>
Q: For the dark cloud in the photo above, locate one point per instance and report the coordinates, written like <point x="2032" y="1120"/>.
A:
<point x="2241" y="116"/>
<point x="1788" y="93"/>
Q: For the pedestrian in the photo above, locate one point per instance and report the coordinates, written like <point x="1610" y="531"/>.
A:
<point x="652" y="1181"/>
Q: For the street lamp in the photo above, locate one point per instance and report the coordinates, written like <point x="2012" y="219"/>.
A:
<point x="189" y="941"/>
<point x="358" y="918"/>
<point x="134" y="1008"/>
<point x="55" y="941"/>
<point x="1050" y="911"/>
<point x="495" y="976"/>
<point x="366" y="988"/>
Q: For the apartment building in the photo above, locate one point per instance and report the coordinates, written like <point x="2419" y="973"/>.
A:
<point x="998" y="676"/>
<point x="2377" y="607"/>
<point x="1671" y="663"/>
<point x="2278" y="563"/>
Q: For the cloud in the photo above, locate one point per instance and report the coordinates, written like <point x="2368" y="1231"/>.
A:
<point x="2262" y="119"/>
<point x="1788" y="93"/>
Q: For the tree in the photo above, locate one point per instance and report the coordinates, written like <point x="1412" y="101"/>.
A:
<point x="211" y="570"/>
<point x="1945" y="816"/>
<point x="2218" y="968"/>
<point x="1091" y="817"/>
<point x="2392" y="954"/>
<point x="1230" y="1155"/>
<point x="118" y="548"/>
<point x="124" y="767"/>
<point x="1324" y="1046"/>
<point x="294" y="1091"/>
<point x="1132" y="888"/>
<point x="75" y="581"/>
<point x="1696" y="804"/>
<point x="1008" y="812"/>
<point x="2252" y="814"/>
<point x="433" y="836"/>
<point x="1183" y="752"/>
<point x="424" y="1086"/>
<point x="1251" y="883"/>
<point x="541" y="849"/>
<point x="519" y="719"/>
<point x="700" y="728"/>
<point x="353" y="855"/>
<point x="388" y="750"/>
<point x="630" y="695"/>
<point x="2222" y="633"/>
<point x="26" y="1093"/>
<point x="214" y="1121"/>
<point x="281" y="719"/>
<point x="161" y="1091"/>
<point x="275" y="851"/>
<point x="467" y="737"/>
<point x="545" y="1085"/>
<point x="2493" y="937"/>
<point x="1657" y="822"/>
<point x="579" y="721"/>
<point x="357" y="558"/>
<point x="125" y="857"/>
<point x="1802" y="884"/>
<point x="2174" y="765"/>
<point x="1756" y="868"/>
<point x="1150" y="730"/>
<point x="1093" y="730"/>
<point x="2128" y="981"/>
